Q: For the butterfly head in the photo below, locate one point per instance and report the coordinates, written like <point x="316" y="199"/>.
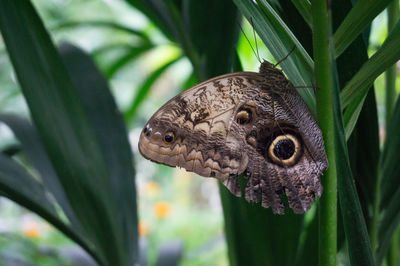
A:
<point x="267" y="68"/>
<point x="156" y="141"/>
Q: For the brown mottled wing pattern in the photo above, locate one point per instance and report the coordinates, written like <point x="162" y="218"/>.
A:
<point x="243" y="122"/>
<point x="199" y="118"/>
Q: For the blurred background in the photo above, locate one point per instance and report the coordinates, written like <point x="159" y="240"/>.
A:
<point x="144" y="70"/>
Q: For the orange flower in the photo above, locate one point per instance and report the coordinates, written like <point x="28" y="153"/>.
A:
<point x="31" y="229"/>
<point x="143" y="228"/>
<point x="152" y="188"/>
<point x="162" y="209"/>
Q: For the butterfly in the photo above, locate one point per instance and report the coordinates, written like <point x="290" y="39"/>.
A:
<point x="248" y="123"/>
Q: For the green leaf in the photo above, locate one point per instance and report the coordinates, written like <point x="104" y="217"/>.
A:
<point x="111" y="134"/>
<point x="256" y="236"/>
<point x="21" y="187"/>
<point x="304" y="8"/>
<point x="18" y="185"/>
<point x="364" y="158"/>
<point x="280" y="41"/>
<point x="221" y="16"/>
<point x="159" y="13"/>
<point x="354" y="224"/>
<point x="390" y="184"/>
<point x="68" y="135"/>
<point x="358" y="19"/>
<point x="306" y="252"/>
<point x="386" y="56"/>
<point x="104" y="24"/>
<point x="144" y="89"/>
<point x="128" y="56"/>
<point x="34" y="150"/>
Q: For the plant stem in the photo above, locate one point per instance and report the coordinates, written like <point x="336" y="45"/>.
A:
<point x="324" y="80"/>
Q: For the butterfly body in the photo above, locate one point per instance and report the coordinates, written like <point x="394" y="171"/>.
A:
<point x="243" y="122"/>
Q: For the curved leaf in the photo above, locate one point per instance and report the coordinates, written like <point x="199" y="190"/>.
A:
<point x="390" y="183"/>
<point x="104" y="24"/>
<point x="33" y="148"/>
<point x="21" y="187"/>
<point x="68" y="136"/>
<point x="386" y="56"/>
<point x="358" y="19"/>
<point x="110" y="132"/>
<point x="145" y="89"/>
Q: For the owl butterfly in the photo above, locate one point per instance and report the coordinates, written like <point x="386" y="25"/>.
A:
<point x="244" y="122"/>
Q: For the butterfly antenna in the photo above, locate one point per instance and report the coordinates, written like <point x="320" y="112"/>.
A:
<point x="256" y="54"/>
<point x="283" y="59"/>
<point x="255" y="39"/>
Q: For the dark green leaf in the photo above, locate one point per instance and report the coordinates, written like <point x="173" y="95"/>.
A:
<point x="390" y="183"/>
<point x="211" y="18"/>
<point x="110" y="132"/>
<point x="356" y="21"/>
<point x="355" y="228"/>
<point x="304" y="8"/>
<point x="386" y="56"/>
<point x="19" y="186"/>
<point x="255" y="236"/>
<point x="34" y="150"/>
<point x="67" y="135"/>
<point x="364" y="158"/>
<point x="159" y="13"/>
<point x="24" y="188"/>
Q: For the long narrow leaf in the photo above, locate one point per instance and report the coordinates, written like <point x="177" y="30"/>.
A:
<point x="213" y="55"/>
<point x="34" y="150"/>
<point x="64" y="128"/>
<point x="19" y="186"/>
<point x="252" y="235"/>
<point x="104" y="24"/>
<point x="111" y="134"/>
<point x="386" y="56"/>
<point x="390" y="184"/>
<point x="358" y="19"/>
<point x="144" y="90"/>
<point x="22" y="187"/>
<point x="355" y="228"/>
<point x="304" y="8"/>
<point x="127" y="57"/>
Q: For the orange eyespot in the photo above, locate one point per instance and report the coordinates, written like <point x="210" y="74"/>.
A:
<point x="169" y="137"/>
<point x="243" y="116"/>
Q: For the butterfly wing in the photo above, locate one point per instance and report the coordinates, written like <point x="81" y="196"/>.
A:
<point x="198" y="120"/>
<point x="237" y="122"/>
<point x="286" y="149"/>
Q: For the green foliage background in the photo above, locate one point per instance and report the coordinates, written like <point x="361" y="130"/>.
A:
<point x="77" y="142"/>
